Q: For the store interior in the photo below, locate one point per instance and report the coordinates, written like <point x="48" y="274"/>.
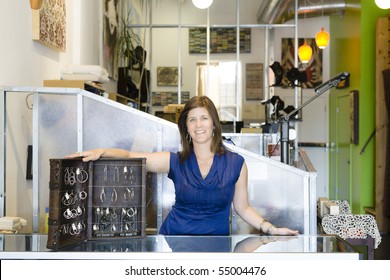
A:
<point x="80" y="91"/>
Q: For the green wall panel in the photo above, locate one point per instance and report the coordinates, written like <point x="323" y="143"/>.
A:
<point x="353" y="49"/>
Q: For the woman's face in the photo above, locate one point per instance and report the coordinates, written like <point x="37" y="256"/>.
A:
<point x="200" y="125"/>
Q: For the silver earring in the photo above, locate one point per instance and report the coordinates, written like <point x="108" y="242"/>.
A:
<point x="188" y="137"/>
<point x="102" y="195"/>
<point x="114" y="195"/>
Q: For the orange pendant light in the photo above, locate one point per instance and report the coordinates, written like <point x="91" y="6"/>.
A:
<point x="322" y="38"/>
<point x="305" y="52"/>
<point x="36" y="4"/>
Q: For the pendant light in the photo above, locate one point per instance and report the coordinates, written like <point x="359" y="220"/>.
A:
<point x="322" y="38"/>
<point x="383" y="4"/>
<point x="36" y="4"/>
<point x="305" y="52"/>
<point x="202" y="4"/>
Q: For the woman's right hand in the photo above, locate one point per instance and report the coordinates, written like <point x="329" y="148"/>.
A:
<point x="87" y="155"/>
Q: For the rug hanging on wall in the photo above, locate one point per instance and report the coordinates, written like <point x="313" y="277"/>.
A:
<point x="49" y="25"/>
<point x="313" y="68"/>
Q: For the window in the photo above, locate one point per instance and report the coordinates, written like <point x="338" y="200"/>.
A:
<point x="220" y="81"/>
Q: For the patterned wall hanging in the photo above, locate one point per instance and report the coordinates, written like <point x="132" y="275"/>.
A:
<point x="163" y="98"/>
<point x="49" y="25"/>
<point x="254" y="81"/>
<point x="222" y="40"/>
<point x="167" y="76"/>
<point x="313" y="68"/>
<point x="111" y="24"/>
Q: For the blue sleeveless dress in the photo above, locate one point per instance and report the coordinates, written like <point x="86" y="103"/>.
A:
<point x="202" y="206"/>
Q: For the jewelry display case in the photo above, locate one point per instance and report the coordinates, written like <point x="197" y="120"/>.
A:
<point x="93" y="200"/>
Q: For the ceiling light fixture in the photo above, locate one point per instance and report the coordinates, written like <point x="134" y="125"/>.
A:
<point x="383" y="4"/>
<point x="322" y="38"/>
<point x="202" y="4"/>
<point x="36" y="4"/>
<point x="305" y="52"/>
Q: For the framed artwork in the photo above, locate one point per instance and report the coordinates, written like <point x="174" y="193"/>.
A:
<point x="254" y="81"/>
<point x="354" y="116"/>
<point x="313" y="68"/>
<point x="164" y="98"/>
<point x="167" y="76"/>
<point x="49" y="25"/>
<point x="111" y="18"/>
<point x="222" y="40"/>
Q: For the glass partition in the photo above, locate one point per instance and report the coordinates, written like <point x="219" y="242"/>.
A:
<point x="63" y="121"/>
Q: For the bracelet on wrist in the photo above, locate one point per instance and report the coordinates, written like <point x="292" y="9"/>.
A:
<point x="262" y="223"/>
<point x="269" y="230"/>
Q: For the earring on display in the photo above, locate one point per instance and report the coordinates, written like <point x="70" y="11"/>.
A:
<point x="114" y="195"/>
<point x="102" y="195"/>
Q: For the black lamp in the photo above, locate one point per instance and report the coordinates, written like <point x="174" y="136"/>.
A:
<point x="278" y="72"/>
<point x="284" y="120"/>
<point x="294" y="75"/>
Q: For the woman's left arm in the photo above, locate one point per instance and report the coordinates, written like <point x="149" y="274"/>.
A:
<point x="248" y="213"/>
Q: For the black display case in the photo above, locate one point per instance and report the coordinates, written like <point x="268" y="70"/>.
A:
<point x="96" y="200"/>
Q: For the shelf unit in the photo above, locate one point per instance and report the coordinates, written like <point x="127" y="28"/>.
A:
<point x="89" y="86"/>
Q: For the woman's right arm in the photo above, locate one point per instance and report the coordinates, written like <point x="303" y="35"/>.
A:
<point x="155" y="162"/>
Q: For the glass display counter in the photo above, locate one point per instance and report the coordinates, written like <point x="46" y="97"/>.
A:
<point x="15" y="246"/>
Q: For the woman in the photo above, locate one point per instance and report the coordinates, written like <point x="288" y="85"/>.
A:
<point x="207" y="176"/>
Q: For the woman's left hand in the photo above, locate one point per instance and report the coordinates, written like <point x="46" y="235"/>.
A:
<point x="283" y="231"/>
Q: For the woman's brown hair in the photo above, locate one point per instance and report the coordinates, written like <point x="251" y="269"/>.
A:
<point x="200" y="102"/>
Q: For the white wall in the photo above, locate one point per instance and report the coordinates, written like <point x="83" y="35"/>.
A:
<point x="25" y="62"/>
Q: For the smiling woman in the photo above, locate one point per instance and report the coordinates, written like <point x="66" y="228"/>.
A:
<point x="209" y="178"/>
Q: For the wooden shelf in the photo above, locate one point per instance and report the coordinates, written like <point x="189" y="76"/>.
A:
<point x="88" y="86"/>
<point x="121" y="98"/>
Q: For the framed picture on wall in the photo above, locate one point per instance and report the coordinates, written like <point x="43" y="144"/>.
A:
<point x="313" y="68"/>
<point x="49" y="25"/>
<point x="167" y="76"/>
<point x="254" y="81"/>
<point x="111" y="21"/>
<point x="163" y="98"/>
<point x="222" y="40"/>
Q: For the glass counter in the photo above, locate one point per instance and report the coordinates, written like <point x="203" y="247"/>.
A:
<point x="17" y="246"/>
